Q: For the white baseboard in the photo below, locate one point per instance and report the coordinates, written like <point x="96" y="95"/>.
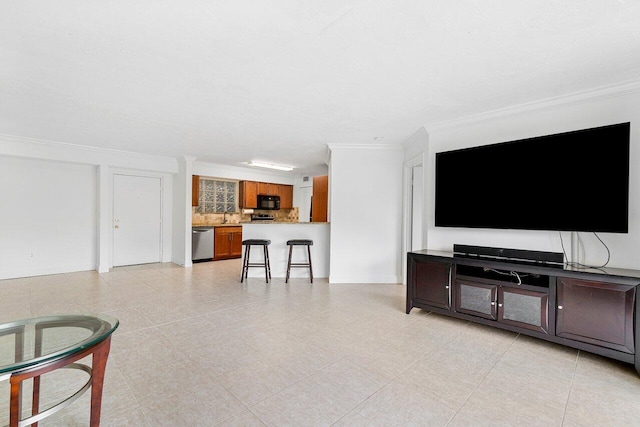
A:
<point x="43" y="271"/>
<point x="365" y="279"/>
<point x="182" y="262"/>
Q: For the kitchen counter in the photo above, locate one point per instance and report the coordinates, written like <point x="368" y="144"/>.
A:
<point x="279" y="233"/>
<point x="282" y="222"/>
<point x="215" y="225"/>
<point x="238" y="224"/>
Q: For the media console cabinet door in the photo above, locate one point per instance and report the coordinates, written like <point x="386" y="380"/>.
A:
<point x="597" y="313"/>
<point x="477" y="299"/>
<point x="432" y="283"/>
<point x="524" y="308"/>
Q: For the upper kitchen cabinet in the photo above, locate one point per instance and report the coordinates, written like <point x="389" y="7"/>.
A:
<point x="195" y="189"/>
<point x="286" y="196"/>
<point x="249" y="191"/>
<point x="268" y="189"/>
<point x="248" y="194"/>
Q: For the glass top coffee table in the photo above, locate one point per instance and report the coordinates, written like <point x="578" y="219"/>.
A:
<point x="30" y="348"/>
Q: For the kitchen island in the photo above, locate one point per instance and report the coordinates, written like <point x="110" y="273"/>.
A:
<point x="279" y="233"/>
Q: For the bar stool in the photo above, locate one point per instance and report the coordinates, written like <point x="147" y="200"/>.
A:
<point x="299" y="242"/>
<point x="247" y="252"/>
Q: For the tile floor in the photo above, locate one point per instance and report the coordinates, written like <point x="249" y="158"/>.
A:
<point x="197" y="348"/>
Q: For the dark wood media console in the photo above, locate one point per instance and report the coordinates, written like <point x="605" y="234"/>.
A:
<point x="594" y="310"/>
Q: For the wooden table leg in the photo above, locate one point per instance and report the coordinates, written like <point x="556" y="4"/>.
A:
<point x="35" y="403"/>
<point x="15" y="405"/>
<point x="98" y="366"/>
<point x="99" y="353"/>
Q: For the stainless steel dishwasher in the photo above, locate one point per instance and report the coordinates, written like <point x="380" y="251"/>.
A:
<point x="201" y="244"/>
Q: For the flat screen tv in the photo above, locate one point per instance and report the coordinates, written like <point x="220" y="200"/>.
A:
<point x="572" y="181"/>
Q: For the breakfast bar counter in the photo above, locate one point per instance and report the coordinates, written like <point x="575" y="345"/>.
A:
<point x="279" y="233"/>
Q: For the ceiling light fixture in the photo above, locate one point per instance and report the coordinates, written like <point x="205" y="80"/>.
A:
<point x="259" y="164"/>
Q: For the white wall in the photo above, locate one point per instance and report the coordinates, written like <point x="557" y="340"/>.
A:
<point x="48" y="221"/>
<point x="417" y="204"/>
<point x="181" y="254"/>
<point x="366" y="214"/>
<point x="416" y="145"/>
<point x="65" y="172"/>
<point x="598" y="108"/>
<point x="416" y="150"/>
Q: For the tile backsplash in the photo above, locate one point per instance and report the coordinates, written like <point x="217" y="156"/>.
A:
<point x="200" y="219"/>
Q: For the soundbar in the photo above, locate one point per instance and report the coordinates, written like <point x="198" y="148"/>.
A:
<point x="509" y="254"/>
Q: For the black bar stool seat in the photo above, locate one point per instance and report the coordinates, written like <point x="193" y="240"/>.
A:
<point x="247" y="253"/>
<point x="299" y="242"/>
<point x="256" y="242"/>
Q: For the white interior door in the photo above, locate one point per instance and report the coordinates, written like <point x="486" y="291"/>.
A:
<point x="137" y="220"/>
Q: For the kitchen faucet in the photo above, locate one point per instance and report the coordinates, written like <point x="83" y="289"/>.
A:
<point x="224" y="217"/>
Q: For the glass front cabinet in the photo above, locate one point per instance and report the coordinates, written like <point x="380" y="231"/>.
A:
<point x="512" y="305"/>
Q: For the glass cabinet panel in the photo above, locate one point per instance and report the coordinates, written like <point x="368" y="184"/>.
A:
<point x="523" y="308"/>
<point x="477" y="299"/>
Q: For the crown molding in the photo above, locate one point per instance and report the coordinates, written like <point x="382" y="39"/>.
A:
<point x="189" y="160"/>
<point x="25" y="147"/>
<point x="575" y="98"/>
<point x="80" y="148"/>
<point x="334" y="146"/>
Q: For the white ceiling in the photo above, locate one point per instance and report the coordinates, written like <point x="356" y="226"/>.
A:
<point x="232" y="81"/>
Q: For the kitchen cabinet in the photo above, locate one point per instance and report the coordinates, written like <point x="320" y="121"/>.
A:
<point x="195" y="190"/>
<point x="248" y="194"/>
<point x="319" y="199"/>
<point x="249" y="191"/>
<point x="268" y="189"/>
<point x="227" y="242"/>
<point x="286" y="196"/>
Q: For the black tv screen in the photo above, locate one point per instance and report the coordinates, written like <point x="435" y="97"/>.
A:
<point x="573" y="181"/>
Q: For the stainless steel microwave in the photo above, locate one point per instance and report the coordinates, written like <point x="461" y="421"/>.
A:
<point x="268" y="202"/>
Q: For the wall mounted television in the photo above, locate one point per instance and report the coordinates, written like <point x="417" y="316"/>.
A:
<point x="572" y="181"/>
